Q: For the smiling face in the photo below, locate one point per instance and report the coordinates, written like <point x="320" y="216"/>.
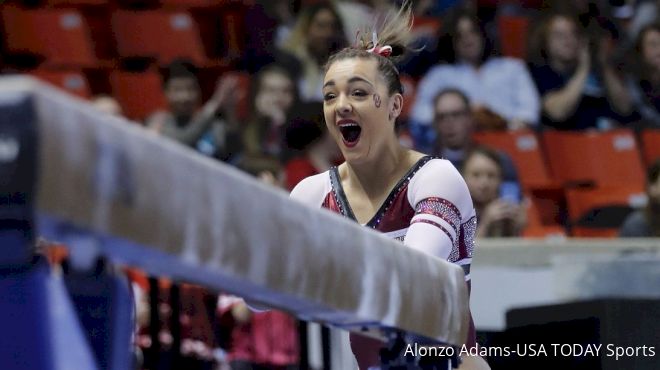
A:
<point x="183" y="95"/>
<point x="468" y="42"/>
<point x="483" y="177"/>
<point x="278" y="90"/>
<point x="358" y="108"/>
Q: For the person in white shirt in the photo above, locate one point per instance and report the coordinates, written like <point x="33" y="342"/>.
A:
<point x="500" y="86"/>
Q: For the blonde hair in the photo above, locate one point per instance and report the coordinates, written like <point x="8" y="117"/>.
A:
<point x="393" y="31"/>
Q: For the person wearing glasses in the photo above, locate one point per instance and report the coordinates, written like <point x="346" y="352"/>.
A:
<point x="454" y="124"/>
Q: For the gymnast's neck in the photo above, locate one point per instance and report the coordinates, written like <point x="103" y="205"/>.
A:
<point x="377" y="173"/>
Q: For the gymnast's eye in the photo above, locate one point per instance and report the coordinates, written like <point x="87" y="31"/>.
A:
<point x="359" y="93"/>
<point x="328" y="96"/>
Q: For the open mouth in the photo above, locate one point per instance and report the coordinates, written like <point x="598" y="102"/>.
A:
<point x="350" y="132"/>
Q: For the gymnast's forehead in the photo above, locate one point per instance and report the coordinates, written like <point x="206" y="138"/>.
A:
<point x="353" y="70"/>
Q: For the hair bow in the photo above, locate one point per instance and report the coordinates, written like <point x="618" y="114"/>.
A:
<point x="384" y="50"/>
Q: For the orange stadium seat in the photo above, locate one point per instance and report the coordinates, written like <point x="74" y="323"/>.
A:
<point x="543" y="216"/>
<point x="607" y="158"/>
<point x="73" y="82"/>
<point x="159" y="34"/>
<point x="525" y="151"/>
<point x="600" y="212"/>
<point x="513" y="33"/>
<point x="428" y="25"/>
<point x="650" y="146"/>
<point x="61" y="36"/>
<point x="139" y="94"/>
<point x="233" y="27"/>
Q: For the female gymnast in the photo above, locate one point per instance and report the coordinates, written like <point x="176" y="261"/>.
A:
<point x="420" y="200"/>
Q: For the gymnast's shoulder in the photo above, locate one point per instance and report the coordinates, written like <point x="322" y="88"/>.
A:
<point x="312" y="190"/>
<point x="438" y="178"/>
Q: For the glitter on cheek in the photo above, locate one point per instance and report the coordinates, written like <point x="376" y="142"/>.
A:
<point x="377" y="100"/>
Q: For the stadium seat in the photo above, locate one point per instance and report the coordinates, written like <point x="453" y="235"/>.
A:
<point x="544" y="215"/>
<point x="607" y="158"/>
<point x="601" y="211"/>
<point x="429" y="25"/>
<point x="60" y="36"/>
<point x="139" y="94"/>
<point x="513" y="33"/>
<point x="158" y="34"/>
<point x="650" y="146"/>
<point x="525" y="151"/>
<point x="233" y="30"/>
<point x="73" y="82"/>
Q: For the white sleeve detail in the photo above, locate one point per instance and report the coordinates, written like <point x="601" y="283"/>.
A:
<point x="440" y="179"/>
<point x="312" y="190"/>
<point x="446" y="205"/>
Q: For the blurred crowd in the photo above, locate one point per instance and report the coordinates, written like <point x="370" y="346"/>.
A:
<point x="588" y="65"/>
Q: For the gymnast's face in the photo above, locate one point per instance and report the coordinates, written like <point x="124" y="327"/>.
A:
<point x="358" y="109"/>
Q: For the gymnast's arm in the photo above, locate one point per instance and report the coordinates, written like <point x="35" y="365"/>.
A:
<point x="312" y="190"/>
<point x="444" y="222"/>
<point x="442" y="206"/>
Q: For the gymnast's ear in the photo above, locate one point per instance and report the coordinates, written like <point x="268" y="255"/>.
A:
<point x="395" y="106"/>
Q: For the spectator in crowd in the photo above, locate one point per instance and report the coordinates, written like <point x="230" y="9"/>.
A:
<point x="501" y="89"/>
<point x="212" y="130"/>
<point x="642" y="13"/>
<point x="644" y="81"/>
<point x="318" y="33"/>
<point x="496" y="215"/>
<point x="318" y="151"/>
<point x="272" y="101"/>
<point x="107" y="104"/>
<point x="645" y="223"/>
<point x="454" y="122"/>
<point x="271" y="22"/>
<point x="579" y="85"/>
